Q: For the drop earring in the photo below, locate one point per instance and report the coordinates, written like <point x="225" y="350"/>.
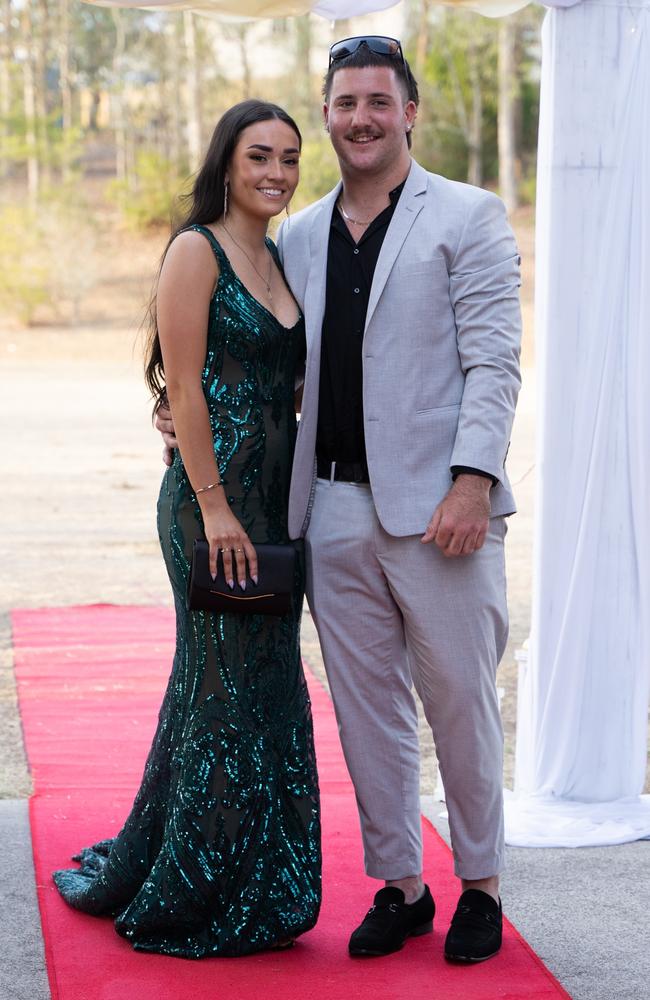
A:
<point x="225" y="199"/>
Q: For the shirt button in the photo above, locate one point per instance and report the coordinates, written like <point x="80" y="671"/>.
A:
<point x="356" y="250"/>
<point x="356" y="291"/>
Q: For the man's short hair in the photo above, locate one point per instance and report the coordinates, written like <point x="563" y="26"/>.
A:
<point x="362" y="58"/>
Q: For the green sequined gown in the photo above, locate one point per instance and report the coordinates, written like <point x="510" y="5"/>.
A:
<point x="221" y="852"/>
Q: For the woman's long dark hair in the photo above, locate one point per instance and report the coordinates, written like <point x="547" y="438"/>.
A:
<point x="206" y="204"/>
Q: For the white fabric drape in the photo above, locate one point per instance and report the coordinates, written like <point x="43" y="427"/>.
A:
<point x="237" y="8"/>
<point x="333" y="10"/>
<point x="583" y="700"/>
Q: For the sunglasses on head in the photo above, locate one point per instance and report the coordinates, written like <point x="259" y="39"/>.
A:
<point x="381" y="45"/>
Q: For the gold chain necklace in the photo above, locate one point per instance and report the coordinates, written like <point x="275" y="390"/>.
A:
<point x="239" y="247"/>
<point x="355" y="222"/>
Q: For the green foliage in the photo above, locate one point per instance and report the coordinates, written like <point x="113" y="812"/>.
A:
<point x="148" y="198"/>
<point x="128" y="74"/>
<point x="528" y="190"/>
<point x="53" y="146"/>
<point x="441" y="150"/>
<point x="46" y="256"/>
<point x="460" y="67"/>
<point x="529" y="122"/>
<point x="23" y="265"/>
<point x="461" y="64"/>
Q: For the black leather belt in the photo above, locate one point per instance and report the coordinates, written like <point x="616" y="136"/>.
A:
<point x="344" y="472"/>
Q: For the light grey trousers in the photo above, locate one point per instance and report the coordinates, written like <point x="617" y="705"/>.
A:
<point x="392" y="613"/>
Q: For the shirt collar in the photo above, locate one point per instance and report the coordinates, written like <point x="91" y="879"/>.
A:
<point x="338" y="223"/>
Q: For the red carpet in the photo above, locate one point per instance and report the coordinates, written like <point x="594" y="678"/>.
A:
<point x="90" y="683"/>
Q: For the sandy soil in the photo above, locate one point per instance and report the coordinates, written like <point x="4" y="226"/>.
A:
<point x="81" y="471"/>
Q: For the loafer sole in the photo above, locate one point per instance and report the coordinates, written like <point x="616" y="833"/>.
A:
<point x="360" y="952"/>
<point x="470" y="959"/>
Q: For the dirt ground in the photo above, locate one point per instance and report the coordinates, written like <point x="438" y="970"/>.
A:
<point x="81" y="470"/>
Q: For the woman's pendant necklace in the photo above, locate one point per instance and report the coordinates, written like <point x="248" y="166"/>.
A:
<point x="267" y="282"/>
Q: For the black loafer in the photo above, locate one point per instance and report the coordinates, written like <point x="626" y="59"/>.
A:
<point x="475" y="931"/>
<point x="390" y="921"/>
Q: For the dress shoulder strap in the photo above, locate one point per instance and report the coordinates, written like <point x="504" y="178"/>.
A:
<point x="218" y="250"/>
<point x="274" y="251"/>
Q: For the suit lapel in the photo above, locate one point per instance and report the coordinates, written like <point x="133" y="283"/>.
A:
<point x="408" y="208"/>
<point x="317" y="278"/>
<point x="315" y="300"/>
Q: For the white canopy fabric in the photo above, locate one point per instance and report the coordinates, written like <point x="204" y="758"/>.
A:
<point x="583" y="700"/>
<point x="333" y="10"/>
<point x="245" y="8"/>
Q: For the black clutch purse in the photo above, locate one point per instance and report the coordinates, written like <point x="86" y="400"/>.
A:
<point x="270" y="596"/>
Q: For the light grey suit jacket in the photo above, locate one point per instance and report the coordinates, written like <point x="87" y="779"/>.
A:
<point x="440" y="348"/>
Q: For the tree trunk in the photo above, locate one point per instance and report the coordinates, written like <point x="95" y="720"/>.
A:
<point x="242" y="38"/>
<point x="474" y="134"/>
<point x="40" y="92"/>
<point x="29" y="108"/>
<point x="422" y="39"/>
<point x="193" y="92"/>
<point x="507" y="114"/>
<point x="175" y="127"/>
<point x="303" y="67"/>
<point x="117" y="97"/>
<point x="65" y="85"/>
<point x="454" y="79"/>
<point x="93" y="111"/>
<point x="5" y="83"/>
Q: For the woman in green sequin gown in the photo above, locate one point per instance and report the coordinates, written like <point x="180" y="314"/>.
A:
<point x="221" y="852"/>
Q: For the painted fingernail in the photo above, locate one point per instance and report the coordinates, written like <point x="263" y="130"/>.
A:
<point x="214" y="576"/>
<point x="254" y="579"/>
<point x="242" y="584"/>
<point x="231" y="584"/>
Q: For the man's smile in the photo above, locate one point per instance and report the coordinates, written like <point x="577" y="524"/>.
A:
<point x="363" y="138"/>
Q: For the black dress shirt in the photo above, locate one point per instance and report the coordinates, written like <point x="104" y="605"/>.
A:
<point x="350" y="269"/>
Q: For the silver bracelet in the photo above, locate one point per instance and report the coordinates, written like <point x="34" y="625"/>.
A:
<point x="212" y="486"/>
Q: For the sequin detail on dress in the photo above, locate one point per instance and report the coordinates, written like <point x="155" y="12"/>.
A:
<point x="221" y="852"/>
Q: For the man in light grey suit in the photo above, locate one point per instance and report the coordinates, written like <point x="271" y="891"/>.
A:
<point x="409" y="285"/>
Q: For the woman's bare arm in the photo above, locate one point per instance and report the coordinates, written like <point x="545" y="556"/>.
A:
<point x="187" y="281"/>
